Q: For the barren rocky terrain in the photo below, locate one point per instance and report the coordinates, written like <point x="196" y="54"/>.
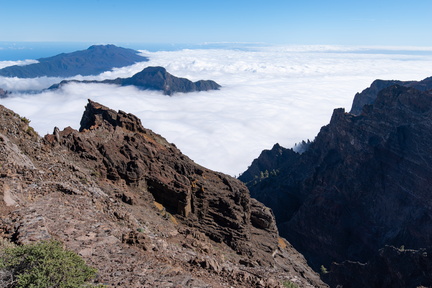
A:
<point x="133" y="206"/>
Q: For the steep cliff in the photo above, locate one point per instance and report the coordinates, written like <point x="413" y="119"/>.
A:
<point x="364" y="183"/>
<point x="369" y="95"/>
<point x="133" y="206"/>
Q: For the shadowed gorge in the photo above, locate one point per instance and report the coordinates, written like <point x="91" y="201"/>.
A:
<point x="361" y="189"/>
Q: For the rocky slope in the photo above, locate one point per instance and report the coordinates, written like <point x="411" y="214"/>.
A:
<point x="369" y="95"/>
<point x="364" y="183"/>
<point x="95" y="60"/>
<point x="155" y="78"/>
<point x="133" y="206"/>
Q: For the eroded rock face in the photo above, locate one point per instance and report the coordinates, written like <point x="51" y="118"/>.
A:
<point x="365" y="182"/>
<point x="368" y="96"/>
<point x="216" y="203"/>
<point x="137" y="209"/>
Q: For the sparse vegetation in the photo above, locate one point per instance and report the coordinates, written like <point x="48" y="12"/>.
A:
<point x="31" y="131"/>
<point x="302" y="146"/>
<point x="165" y="214"/>
<point x="25" y="120"/>
<point x="263" y="175"/>
<point x="289" y="284"/>
<point x="44" y="264"/>
<point x="323" y="270"/>
<point x="95" y="173"/>
<point x="282" y="243"/>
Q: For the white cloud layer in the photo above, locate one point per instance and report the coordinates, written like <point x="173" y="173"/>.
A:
<point x="4" y="64"/>
<point x="268" y="95"/>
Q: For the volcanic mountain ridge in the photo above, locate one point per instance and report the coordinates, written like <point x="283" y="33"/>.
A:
<point x="92" y="61"/>
<point x="154" y="78"/>
<point x="133" y="206"/>
<point x="357" y="203"/>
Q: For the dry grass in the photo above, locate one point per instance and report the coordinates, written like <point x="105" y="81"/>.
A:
<point x="282" y="243"/>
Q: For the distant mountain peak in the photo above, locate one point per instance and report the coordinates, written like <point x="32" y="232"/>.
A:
<point x="92" y="61"/>
<point x="155" y="78"/>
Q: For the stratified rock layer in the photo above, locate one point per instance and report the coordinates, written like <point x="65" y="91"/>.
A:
<point x="364" y="183"/>
<point x="132" y="205"/>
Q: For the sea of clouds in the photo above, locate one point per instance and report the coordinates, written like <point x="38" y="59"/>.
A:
<point x="269" y="95"/>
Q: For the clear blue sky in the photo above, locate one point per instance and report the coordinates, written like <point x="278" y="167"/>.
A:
<point x="358" y="22"/>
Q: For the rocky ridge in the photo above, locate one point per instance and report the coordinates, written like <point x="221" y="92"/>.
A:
<point x="368" y="96"/>
<point x="361" y="189"/>
<point x="133" y="206"/>
<point x="154" y="78"/>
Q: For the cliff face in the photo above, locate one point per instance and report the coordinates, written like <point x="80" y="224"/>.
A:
<point x="365" y="182"/>
<point x="369" y="95"/>
<point x="132" y="205"/>
<point x="400" y="267"/>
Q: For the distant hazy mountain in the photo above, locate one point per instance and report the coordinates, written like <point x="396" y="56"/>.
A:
<point x="155" y="78"/>
<point x="95" y="60"/>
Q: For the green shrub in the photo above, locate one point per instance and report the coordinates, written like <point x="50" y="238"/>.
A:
<point x="323" y="270"/>
<point x="44" y="264"/>
<point x="289" y="284"/>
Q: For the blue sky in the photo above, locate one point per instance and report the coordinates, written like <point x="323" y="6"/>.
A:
<point x="366" y="22"/>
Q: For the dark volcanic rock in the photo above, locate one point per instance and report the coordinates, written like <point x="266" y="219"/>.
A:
<point x="402" y="268"/>
<point x="3" y="93"/>
<point x="155" y="78"/>
<point x="137" y="209"/>
<point x="365" y="182"/>
<point x="93" y="61"/>
<point x="219" y="205"/>
<point x="267" y="161"/>
<point x="369" y="95"/>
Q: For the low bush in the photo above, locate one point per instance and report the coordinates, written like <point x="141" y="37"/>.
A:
<point x="44" y="264"/>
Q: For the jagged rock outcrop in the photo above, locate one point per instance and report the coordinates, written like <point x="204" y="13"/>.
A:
<point x="369" y="95"/>
<point x="3" y="93"/>
<point x="155" y="78"/>
<point x="133" y="206"/>
<point x="364" y="183"/>
<point x="267" y="161"/>
<point x="95" y="60"/>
